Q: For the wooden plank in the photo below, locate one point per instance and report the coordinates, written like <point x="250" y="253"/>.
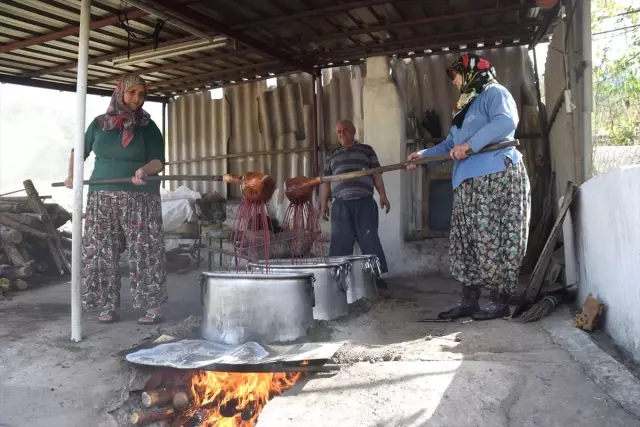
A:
<point x="536" y="281"/>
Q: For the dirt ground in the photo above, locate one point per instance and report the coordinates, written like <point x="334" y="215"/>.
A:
<point x="395" y="370"/>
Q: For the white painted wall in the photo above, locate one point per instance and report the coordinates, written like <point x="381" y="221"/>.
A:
<point x="606" y="223"/>
<point x="384" y="121"/>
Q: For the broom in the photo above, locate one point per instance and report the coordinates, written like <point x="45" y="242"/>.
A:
<point x="541" y="309"/>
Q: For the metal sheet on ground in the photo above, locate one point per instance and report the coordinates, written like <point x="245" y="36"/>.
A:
<point x="199" y="354"/>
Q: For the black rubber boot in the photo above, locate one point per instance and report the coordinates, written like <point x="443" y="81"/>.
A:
<point x="467" y="305"/>
<point x="381" y="284"/>
<point x="497" y="308"/>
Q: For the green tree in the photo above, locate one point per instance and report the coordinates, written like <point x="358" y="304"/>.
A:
<point x="616" y="72"/>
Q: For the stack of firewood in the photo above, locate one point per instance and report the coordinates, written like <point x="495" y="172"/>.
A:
<point x="30" y="240"/>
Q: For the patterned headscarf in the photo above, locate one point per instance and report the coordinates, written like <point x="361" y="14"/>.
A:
<point x="121" y="117"/>
<point x="477" y="74"/>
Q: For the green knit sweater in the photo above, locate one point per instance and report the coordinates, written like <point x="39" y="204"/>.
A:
<point x="115" y="161"/>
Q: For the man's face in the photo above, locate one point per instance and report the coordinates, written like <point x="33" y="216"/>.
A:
<point x="345" y="134"/>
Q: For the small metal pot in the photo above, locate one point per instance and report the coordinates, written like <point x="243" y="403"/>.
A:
<point x="265" y="308"/>
<point x="361" y="278"/>
<point x="330" y="286"/>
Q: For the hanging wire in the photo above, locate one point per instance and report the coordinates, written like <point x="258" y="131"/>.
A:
<point x="154" y="36"/>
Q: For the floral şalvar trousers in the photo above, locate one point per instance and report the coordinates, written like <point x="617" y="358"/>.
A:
<point x="109" y="215"/>
<point x="490" y="228"/>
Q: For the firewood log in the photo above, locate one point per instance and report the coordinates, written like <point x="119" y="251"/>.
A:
<point x="8" y="222"/>
<point x="15" y="257"/>
<point x="15" y="207"/>
<point x="32" y="220"/>
<point x="26" y="271"/>
<point x="55" y="247"/>
<point x="159" y="397"/>
<point x="10" y="235"/>
<point x="20" y="285"/>
<point x="59" y="215"/>
<point x="139" y="417"/>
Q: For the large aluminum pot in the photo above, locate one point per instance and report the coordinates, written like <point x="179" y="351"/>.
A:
<point x="330" y="286"/>
<point x="361" y="278"/>
<point x="265" y="308"/>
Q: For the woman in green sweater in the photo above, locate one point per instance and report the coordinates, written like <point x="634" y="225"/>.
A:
<point x="126" y="143"/>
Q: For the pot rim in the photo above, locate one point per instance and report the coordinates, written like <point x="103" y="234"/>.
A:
<point x="276" y="266"/>
<point x="259" y="276"/>
<point x="352" y="257"/>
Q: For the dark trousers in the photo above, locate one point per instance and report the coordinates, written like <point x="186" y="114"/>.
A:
<point x="356" y="221"/>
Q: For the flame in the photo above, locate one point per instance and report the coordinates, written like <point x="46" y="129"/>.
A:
<point x="227" y="399"/>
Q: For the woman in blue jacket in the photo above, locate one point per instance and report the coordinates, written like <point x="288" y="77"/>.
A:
<point x="491" y="202"/>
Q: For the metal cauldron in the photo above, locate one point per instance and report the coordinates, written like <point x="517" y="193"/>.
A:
<point x="265" y="308"/>
<point x="361" y="278"/>
<point x="330" y="286"/>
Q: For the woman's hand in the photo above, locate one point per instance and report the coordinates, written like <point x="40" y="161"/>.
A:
<point x="139" y="177"/>
<point x="68" y="182"/>
<point x="413" y="156"/>
<point x="460" y="152"/>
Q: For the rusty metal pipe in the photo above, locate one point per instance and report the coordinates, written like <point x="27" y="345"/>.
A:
<point x="255" y="186"/>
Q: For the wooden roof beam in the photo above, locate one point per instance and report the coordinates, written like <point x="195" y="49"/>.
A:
<point x="71" y="31"/>
<point x="188" y="63"/>
<point x="97" y="59"/>
<point x="231" y="71"/>
<point x="214" y="25"/>
<point x="348" y="5"/>
<point x="413" y="23"/>
<point x="254" y="24"/>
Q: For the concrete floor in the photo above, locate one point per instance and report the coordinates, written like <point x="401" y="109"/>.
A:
<point x="396" y="372"/>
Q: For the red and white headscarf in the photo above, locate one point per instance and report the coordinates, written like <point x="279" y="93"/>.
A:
<point x="121" y="117"/>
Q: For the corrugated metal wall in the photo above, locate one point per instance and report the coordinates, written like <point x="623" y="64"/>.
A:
<point x="252" y="118"/>
<point x="248" y="119"/>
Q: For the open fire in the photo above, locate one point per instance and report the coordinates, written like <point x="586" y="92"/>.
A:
<point x="211" y="399"/>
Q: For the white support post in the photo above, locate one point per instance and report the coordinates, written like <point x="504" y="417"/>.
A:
<point x="78" y="171"/>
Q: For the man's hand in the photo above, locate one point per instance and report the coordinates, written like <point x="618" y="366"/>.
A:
<point x="324" y="211"/>
<point x="412" y="156"/>
<point x="384" y="203"/>
<point x="139" y="177"/>
<point x="68" y="182"/>
<point x="460" y="152"/>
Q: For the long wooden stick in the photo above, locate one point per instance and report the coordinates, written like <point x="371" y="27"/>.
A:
<point x="420" y="161"/>
<point x="221" y="178"/>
